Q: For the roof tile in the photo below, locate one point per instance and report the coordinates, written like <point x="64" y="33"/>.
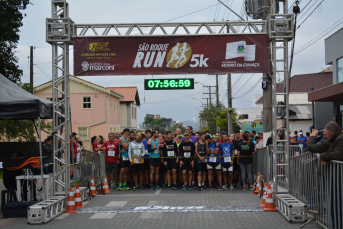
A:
<point x="129" y="93"/>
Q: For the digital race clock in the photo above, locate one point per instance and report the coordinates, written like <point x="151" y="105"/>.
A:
<point x="168" y="84"/>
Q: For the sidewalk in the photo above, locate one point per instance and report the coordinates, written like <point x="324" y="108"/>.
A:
<point x="169" y="209"/>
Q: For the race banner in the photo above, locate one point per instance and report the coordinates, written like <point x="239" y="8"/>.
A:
<point x="214" y="54"/>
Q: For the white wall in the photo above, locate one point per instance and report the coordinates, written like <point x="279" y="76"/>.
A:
<point x="253" y="113"/>
<point x="303" y="125"/>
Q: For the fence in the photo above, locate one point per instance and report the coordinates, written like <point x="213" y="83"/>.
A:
<point x="261" y="163"/>
<point x="318" y="186"/>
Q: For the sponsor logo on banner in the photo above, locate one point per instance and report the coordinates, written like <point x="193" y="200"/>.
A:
<point x="96" y="66"/>
<point x="154" y="55"/>
<point x="179" y="55"/>
<point x="97" y="46"/>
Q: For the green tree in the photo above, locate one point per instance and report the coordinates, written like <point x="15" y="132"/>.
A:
<point x="209" y="115"/>
<point x="149" y="122"/>
<point x="177" y="126"/>
<point x="11" y="20"/>
<point x="21" y="130"/>
<point x="222" y="121"/>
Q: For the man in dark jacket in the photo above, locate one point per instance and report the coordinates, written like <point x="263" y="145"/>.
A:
<point x="335" y="138"/>
<point x="47" y="149"/>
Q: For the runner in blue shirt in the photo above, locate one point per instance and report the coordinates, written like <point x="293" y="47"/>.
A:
<point x="227" y="149"/>
<point x="213" y="162"/>
<point x="146" y="158"/>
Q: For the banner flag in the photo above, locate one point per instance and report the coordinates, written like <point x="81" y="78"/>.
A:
<point x="211" y="54"/>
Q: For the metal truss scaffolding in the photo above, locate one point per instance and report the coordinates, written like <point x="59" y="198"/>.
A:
<point x="61" y="31"/>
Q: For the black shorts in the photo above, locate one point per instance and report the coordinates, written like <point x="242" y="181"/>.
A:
<point x="138" y="168"/>
<point x="187" y="165"/>
<point x="155" y="162"/>
<point x="214" y="165"/>
<point x="171" y="164"/>
<point x="111" y="166"/>
<point x="124" y="164"/>
<point x="146" y="165"/>
<point x="227" y="168"/>
<point x="202" y="167"/>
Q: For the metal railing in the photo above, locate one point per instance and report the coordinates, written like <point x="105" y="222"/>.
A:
<point x="261" y="163"/>
<point x="319" y="187"/>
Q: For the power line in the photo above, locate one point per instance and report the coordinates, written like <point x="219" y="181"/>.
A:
<point x="259" y="81"/>
<point x="193" y="12"/>
<point x="308" y="10"/>
<point x="42" y="71"/>
<point x="244" y="84"/>
<point x="321" y="36"/>
<point x="310" y="14"/>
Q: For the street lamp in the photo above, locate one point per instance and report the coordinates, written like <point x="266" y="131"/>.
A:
<point x="199" y="100"/>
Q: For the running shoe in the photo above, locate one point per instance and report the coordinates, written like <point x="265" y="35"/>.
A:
<point x="120" y="187"/>
<point x="226" y="187"/>
<point x="127" y="188"/>
<point x="190" y="188"/>
<point x="152" y="187"/>
<point x="184" y="188"/>
<point x="202" y="187"/>
<point x="199" y="188"/>
<point x="221" y="189"/>
<point x="175" y="187"/>
<point x="157" y="187"/>
<point x="244" y="188"/>
<point x="168" y="187"/>
<point x="231" y="187"/>
<point x="251" y="188"/>
<point x="134" y="188"/>
<point x="209" y="188"/>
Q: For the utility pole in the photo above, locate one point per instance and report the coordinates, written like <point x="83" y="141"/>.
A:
<point x="313" y="113"/>
<point x="229" y="101"/>
<point x="267" y="93"/>
<point x="217" y="92"/>
<point x="206" y="102"/>
<point x="31" y="68"/>
<point x="209" y="93"/>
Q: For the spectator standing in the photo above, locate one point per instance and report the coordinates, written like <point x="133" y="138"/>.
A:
<point x="47" y="149"/>
<point x="302" y="140"/>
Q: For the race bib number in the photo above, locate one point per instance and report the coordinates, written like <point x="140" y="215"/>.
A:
<point x="157" y="151"/>
<point x="213" y="159"/>
<point x="235" y="152"/>
<point x="170" y="153"/>
<point x="125" y="158"/>
<point x="111" y="153"/>
<point x="227" y="159"/>
<point x="187" y="155"/>
<point x="301" y="145"/>
<point x="137" y="153"/>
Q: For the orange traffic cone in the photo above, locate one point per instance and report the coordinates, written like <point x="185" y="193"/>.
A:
<point x="71" y="202"/>
<point x="253" y="188"/>
<point x="257" y="191"/>
<point x="78" y="201"/>
<point x="92" y="187"/>
<point x="264" y="196"/>
<point x="105" y="185"/>
<point x="260" y="193"/>
<point x="269" y="205"/>
<point x="102" y="190"/>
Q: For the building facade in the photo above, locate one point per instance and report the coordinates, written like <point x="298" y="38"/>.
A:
<point x="95" y="110"/>
<point x="128" y="107"/>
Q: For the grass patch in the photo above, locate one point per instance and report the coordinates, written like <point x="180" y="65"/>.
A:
<point x="76" y="182"/>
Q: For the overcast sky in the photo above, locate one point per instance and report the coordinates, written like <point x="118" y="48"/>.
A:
<point x="182" y="108"/>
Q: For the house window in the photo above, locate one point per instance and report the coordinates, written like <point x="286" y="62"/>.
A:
<point x="340" y="70"/>
<point x="258" y="116"/>
<point x="87" y="102"/>
<point x="114" y="129"/>
<point x="110" y="103"/>
<point x="111" y="130"/>
<point x="245" y="116"/>
<point x="83" y="132"/>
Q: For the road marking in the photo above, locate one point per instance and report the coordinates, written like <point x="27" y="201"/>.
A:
<point x="103" y="216"/>
<point x="63" y="216"/>
<point x="157" y="192"/>
<point x="116" y="204"/>
<point x="151" y="215"/>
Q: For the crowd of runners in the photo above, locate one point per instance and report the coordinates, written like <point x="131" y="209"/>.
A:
<point x="192" y="160"/>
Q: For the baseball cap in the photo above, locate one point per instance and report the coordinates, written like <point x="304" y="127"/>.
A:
<point x="73" y="134"/>
<point x="208" y="136"/>
<point x="186" y="133"/>
<point x="213" y="136"/>
<point x="180" y="136"/>
<point x="300" y="132"/>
